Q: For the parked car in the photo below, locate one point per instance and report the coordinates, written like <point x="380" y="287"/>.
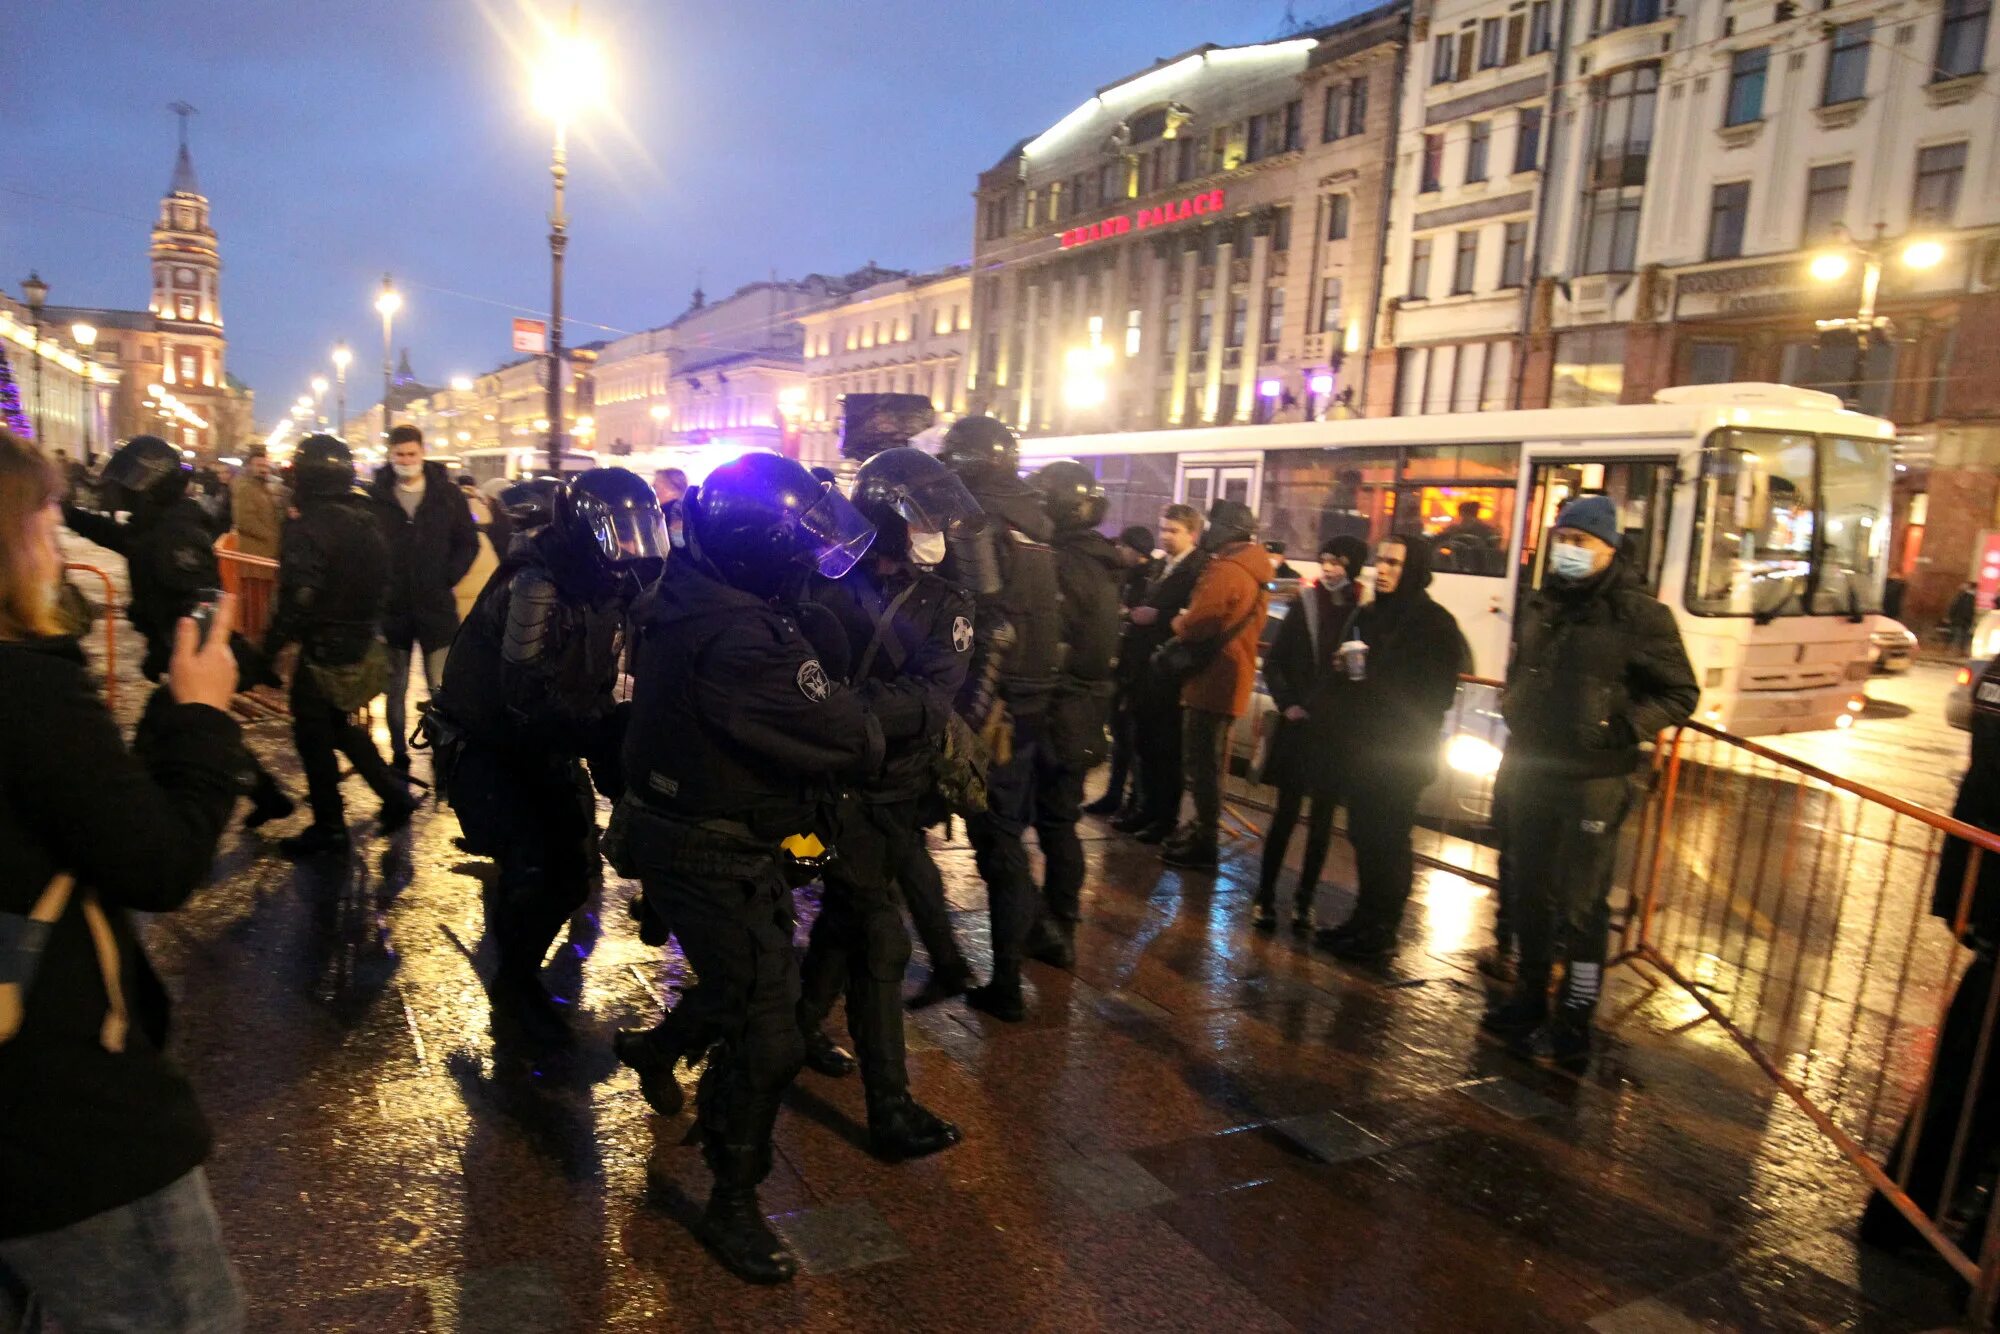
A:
<point x="1891" y="646"/>
<point x="1958" y="704"/>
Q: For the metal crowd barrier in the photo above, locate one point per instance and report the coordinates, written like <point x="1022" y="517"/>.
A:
<point x="1793" y="906"/>
<point x="109" y="617"/>
<point x="254" y="581"/>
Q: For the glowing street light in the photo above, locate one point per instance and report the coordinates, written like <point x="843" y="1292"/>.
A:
<point x="387" y="303"/>
<point x="461" y="384"/>
<point x="85" y="336"/>
<point x="1832" y="264"/>
<point x="1084" y="370"/>
<point x="658" y="412"/>
<point x="341" y="356"/>
<point x="569" y="79"/>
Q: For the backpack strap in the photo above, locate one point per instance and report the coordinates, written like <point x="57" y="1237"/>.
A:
<point x="882" y="625"/>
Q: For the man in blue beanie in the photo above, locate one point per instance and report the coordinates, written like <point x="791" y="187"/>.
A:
<point x="1598" y="670"/>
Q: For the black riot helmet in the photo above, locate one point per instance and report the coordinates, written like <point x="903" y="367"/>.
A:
<point x="978" y="446"/>
<point x="146" y="469"/>
<point x="1229" y="522"/>
<point x="1071" y="495"/>
<point x="530" y="504"/>
<point x="322" y="467"/>
<point x="605" y="533"/>
<point x="762" y="523"/>
<point x="914" y="501"/>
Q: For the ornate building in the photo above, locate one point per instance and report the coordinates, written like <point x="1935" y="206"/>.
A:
<point x="173" y="379"/>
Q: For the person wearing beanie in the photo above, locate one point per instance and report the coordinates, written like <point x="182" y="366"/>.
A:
<point x="1138" y="567"/>
<point x="1599" y="670"/>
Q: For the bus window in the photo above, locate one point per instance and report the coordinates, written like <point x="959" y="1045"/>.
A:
<point x="1855" y="478"/>
<point x="1468" y="525"/>
<point x="1311" y="495"/>
<point x="1139" y="487"/>
<point x="1756" y="509"/>
<point x="1642" y="489"/>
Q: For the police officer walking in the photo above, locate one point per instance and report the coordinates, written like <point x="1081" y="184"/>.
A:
<point x="1074" y="742"/>
<point x="1016" y="652"/>
<point x="736" y="741"/>
<point x="169" y="552"/>
<point x="526" y="699"/>
<point x="910" y="637"/>
<point x="333" y="574"/>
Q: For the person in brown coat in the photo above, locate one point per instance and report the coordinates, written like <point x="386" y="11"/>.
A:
<point x="1220" y="628"/>
<point x="253" y="502"/>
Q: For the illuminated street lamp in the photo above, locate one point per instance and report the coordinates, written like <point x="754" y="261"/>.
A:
<point x="461" y="384"/>
<point x="658" y="412"/>
<point x="341" y="356"/>
<point x="387" y="304"/>
<point x="570" y="77"/>
<point x="1084" y="370"/>
<point x="85" y="337"/>
<point x="320" y="386"/>
<point x="1832" y="264"/>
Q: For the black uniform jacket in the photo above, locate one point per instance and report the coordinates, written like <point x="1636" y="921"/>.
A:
<point x="1087" y="574"/>
<point x="1028" y="596"/>
<point x="169" y="554"/>
<point x="83" y="1129"/>
<point x="1598" y="667"/>
<point x="917" y="668"/>
<point x="333" y="574"/>
<point x="428" y="554"/>
<point x="734" y="717"/>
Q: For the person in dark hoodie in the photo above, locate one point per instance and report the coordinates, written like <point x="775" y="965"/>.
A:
<point x="169" y="552"/>
<point x="1137" y="567"/>
<point x="1598" y="669"/>
<point x="105" y="1217"/>
<point x="1399" y="660"/>
<point x="432" y="543"/>
<point x="1155" y="698"/>
<point x="1016" y="660"/>
<point x="737" y="739"/>
<point x="1074" y="742"/>
<point x="1303" y="673"/>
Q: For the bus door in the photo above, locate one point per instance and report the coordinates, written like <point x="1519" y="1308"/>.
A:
<point x="1643" y="490"/>
<point x="1203" y="481"/>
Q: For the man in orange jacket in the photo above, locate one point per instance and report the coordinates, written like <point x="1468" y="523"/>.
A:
<point x="1221" y="625"/>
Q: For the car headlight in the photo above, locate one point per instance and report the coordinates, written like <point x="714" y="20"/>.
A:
<point x="1468" y="754"/>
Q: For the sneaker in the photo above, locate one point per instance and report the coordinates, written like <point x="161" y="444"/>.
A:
<point x="1264" y="916"/>
<point x="1302" y="921"/>
<point x="827" y="1057"/>
<point x="315" y="840"/>
<point x="1000" y="1000"/>
<point x="269" y="806"/>
<point x="947" y="980"/>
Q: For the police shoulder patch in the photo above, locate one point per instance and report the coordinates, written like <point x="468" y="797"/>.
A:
<point x="961" y="633"/>
<point x="812" y="680"/>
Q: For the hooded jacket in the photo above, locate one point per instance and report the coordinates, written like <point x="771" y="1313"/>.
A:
<point x="428" y="554"/>
<point x="1598" y="668"/>
<point x="1229" y="598"/>
<point x="1395" y="713"/>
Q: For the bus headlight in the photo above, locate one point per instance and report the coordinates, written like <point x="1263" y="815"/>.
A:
<point x="1468" y="754"/>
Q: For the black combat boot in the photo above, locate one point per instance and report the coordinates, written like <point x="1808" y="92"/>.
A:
<point x="1000" y="998"/>
<point x="268" y="802"/>
<point x="827" y="1057"/>
<point x="1518" y="1019"/>
<point x="901" y="1128"/>
<point x="733" y="1225"/>
<point x="1053" y="942"/>
<point x="315" y="840"/>
<point x="653" y="1054"/>
<point x="947" y="979"/>
<point x="1568" y="1036"/>
<point x="1190" y="850"/>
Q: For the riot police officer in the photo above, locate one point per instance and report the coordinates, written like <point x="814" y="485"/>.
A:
<point x="1073" y="742"/>
<point x="909" y="636"/>
<point x="527" y="698"/>
<point x="1017" y="643"/>
<point x="333" y="575"/>
<point x="169" y="552"/>
<point x="737" y="738"/>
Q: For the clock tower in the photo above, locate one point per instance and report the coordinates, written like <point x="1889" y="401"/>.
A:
<point x="187" y="278"/>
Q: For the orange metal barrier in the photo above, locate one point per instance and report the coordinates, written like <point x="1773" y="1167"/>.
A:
<point x="109" y="616"/>
<point x="254" y="581"/>
<point x="1793" y="906"/>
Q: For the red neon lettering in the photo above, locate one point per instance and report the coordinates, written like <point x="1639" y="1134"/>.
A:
<point x="1200" y="203"/>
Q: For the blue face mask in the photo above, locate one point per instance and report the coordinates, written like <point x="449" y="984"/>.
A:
<point x="1572" y="563"/>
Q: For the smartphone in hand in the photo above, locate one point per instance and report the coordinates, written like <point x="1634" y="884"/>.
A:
<point x="205" y="600"/>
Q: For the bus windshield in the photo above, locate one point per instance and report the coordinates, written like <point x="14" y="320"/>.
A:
<point x="1789" y="524"/>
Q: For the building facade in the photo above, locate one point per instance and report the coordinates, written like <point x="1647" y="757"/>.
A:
<point x="171" y="358"/>
<point x="906" y="335"/>
<point x="1198" y="243"/>
<point x="52" y="387"/>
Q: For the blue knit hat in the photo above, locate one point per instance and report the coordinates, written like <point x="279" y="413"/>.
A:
<point x="1596" y="515"/>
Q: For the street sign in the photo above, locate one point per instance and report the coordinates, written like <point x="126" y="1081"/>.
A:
<point x="531" y="336"/>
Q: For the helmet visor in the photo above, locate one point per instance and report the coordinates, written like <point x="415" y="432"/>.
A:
<point x="629" y="535"/>
<point x="837" y="533"/>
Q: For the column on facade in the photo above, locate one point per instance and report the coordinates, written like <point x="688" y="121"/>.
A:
<point x="1218" y="330"/>
<point x="1030" y="356"/>
<point x="1253" y="325"/>
<point x="1184" y="349"/>
<point x="1152" y="327"/>
<point x="1053" y="346"/>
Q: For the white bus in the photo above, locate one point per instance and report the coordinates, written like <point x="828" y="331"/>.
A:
<point x="1758" y="513"/>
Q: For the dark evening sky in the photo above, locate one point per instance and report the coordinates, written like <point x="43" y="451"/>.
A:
<point x="338" y="139"/>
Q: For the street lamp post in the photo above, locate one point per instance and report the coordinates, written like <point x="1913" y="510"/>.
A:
<point x="1831" y="265"/>
<point x="341" y="356"/>
<point x="388" y="303"/>
<point x="36" y="291"/>
<point x="571" y="72"/>
<point x="86" y="338"/>
<point x="319" y="399"/>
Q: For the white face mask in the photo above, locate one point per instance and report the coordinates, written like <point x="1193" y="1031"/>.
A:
<point x="927" y="549"/>
<point x="1572" y="563"/>
<point x="409" y="472"/>
<point x="1333" y="578"/>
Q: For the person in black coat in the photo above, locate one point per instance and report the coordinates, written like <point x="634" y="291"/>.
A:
<point x="432" y="543"/>
<point x="1303" y="674"/>
<point x="1135" y="559"/>
<point x="333" y="572"/>
<point x="105" y="1216"/>
<point x="1087" y="567"/>
<point x="1156" y="704"/>
<point x="1392" y="704"/>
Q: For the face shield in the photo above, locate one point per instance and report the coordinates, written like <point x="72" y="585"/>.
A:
<point x="837" y="533"/>
<point x="629" y="536"/>
<point x="932" y="510"/>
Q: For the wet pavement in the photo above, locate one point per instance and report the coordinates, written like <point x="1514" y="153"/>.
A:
<point x="1200" y="1126"/>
